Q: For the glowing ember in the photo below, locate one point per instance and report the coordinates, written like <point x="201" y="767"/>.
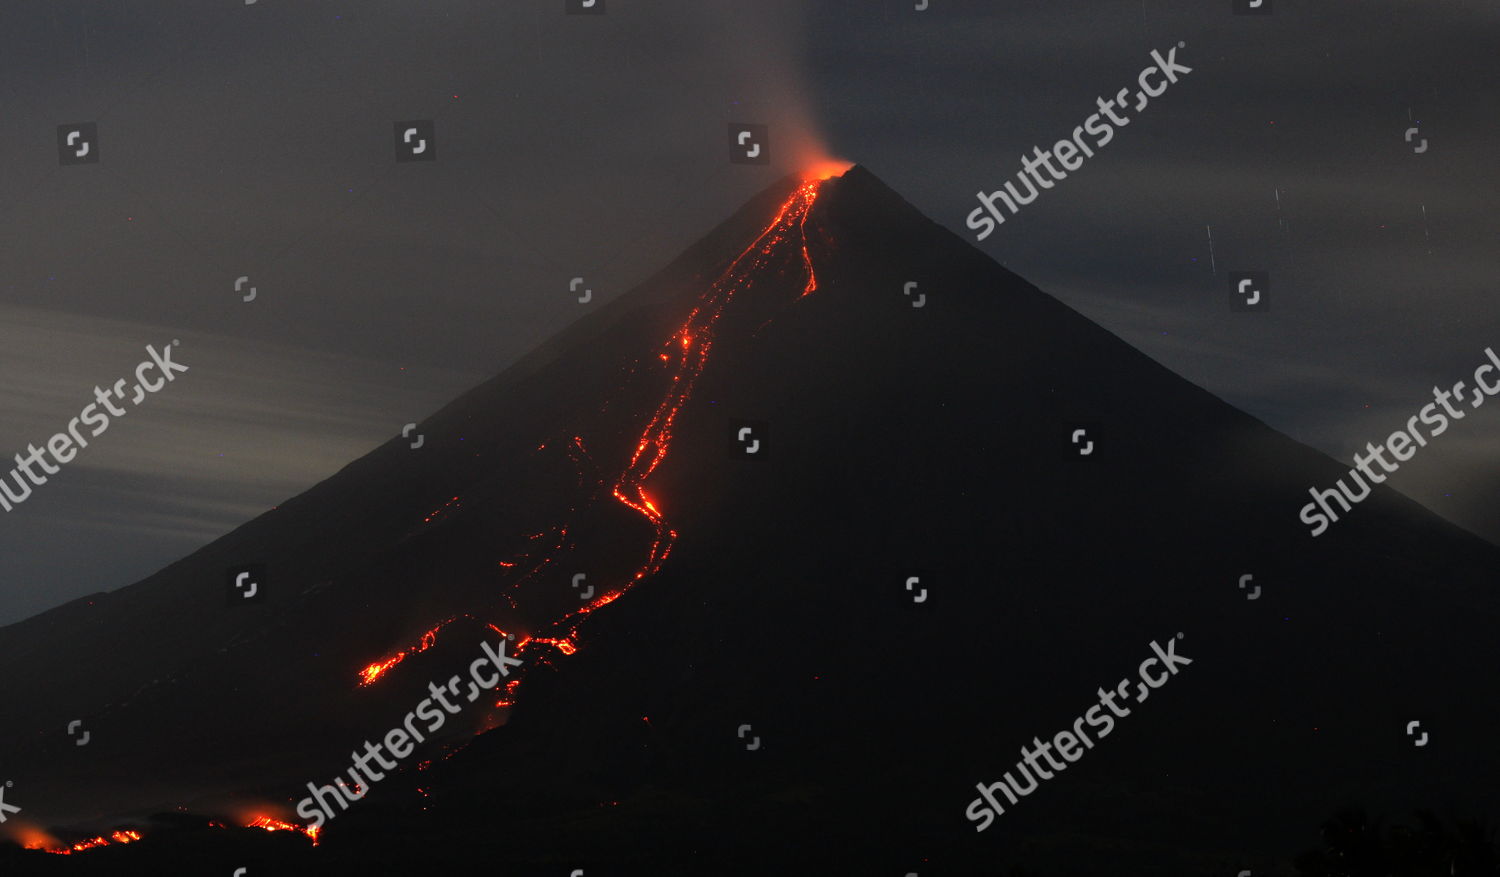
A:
<point x="32" y="838"/>
<point x="563" y="645"/>
<point x="378" y="669"/>
<point x="270" y="824"/>
<point x="44" y="842"/>
<point x="440" y="510"/>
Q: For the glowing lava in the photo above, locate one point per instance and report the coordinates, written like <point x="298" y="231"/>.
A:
<point x="270" y="824"/>
<point x="378" y="669"/>
<point x="43" y="841"/>
<point x="696" y="338"/>
<point x="39" y="840"/>
<point x="685" y="353"/>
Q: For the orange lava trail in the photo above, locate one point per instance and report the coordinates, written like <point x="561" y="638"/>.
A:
<point x="270" y="824"/>
<point x="686" y="353"/>
<point x="122" y="836"/>
<point x="812" y="278"/>
<point x="125" y="836"/>
<point x="368" y="675"/>
<point x="692" y="344"/>
<point x="696" y="339"/>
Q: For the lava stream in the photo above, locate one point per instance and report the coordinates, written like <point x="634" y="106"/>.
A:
<point x="125" y="836"/>
<point x="686" y="353"/>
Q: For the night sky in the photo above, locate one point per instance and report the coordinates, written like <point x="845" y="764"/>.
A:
<point x="257" y="141"/>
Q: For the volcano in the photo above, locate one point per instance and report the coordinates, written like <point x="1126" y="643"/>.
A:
<point x="799" y="541"/>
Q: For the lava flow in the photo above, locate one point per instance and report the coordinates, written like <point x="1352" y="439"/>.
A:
<point x="695" y="339"/>
<point x="42" y="841"/>
<point x="270" y="824"/>
<point x="119" y="837"/>
<point x="686" y="352"/>
<point x="378" y="669"/>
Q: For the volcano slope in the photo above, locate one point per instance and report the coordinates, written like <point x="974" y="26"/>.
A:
<point x="770" y="590"/>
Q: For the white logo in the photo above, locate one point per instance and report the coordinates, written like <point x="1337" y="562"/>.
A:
<point x="421" y="146"/>
<point x="1254" y="293"/>
<point x="4" y="807"/>
<point x="921" y="298"/>
<point x="240" y="283"/>
<point x="73" y="137"/>
<point x="588" y="591"/>
<point x="1088" y="448"/>
<point x="754" y="151"/>
<point x="1254" y="594"/>
<point x="916" y="580"/>
<point x="588" y="294"/>
<point x="239" y="582"/>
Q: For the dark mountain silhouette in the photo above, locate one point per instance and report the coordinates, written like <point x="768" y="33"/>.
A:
<point x="770" y="591"/>
<point x="1357" y="847"/>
